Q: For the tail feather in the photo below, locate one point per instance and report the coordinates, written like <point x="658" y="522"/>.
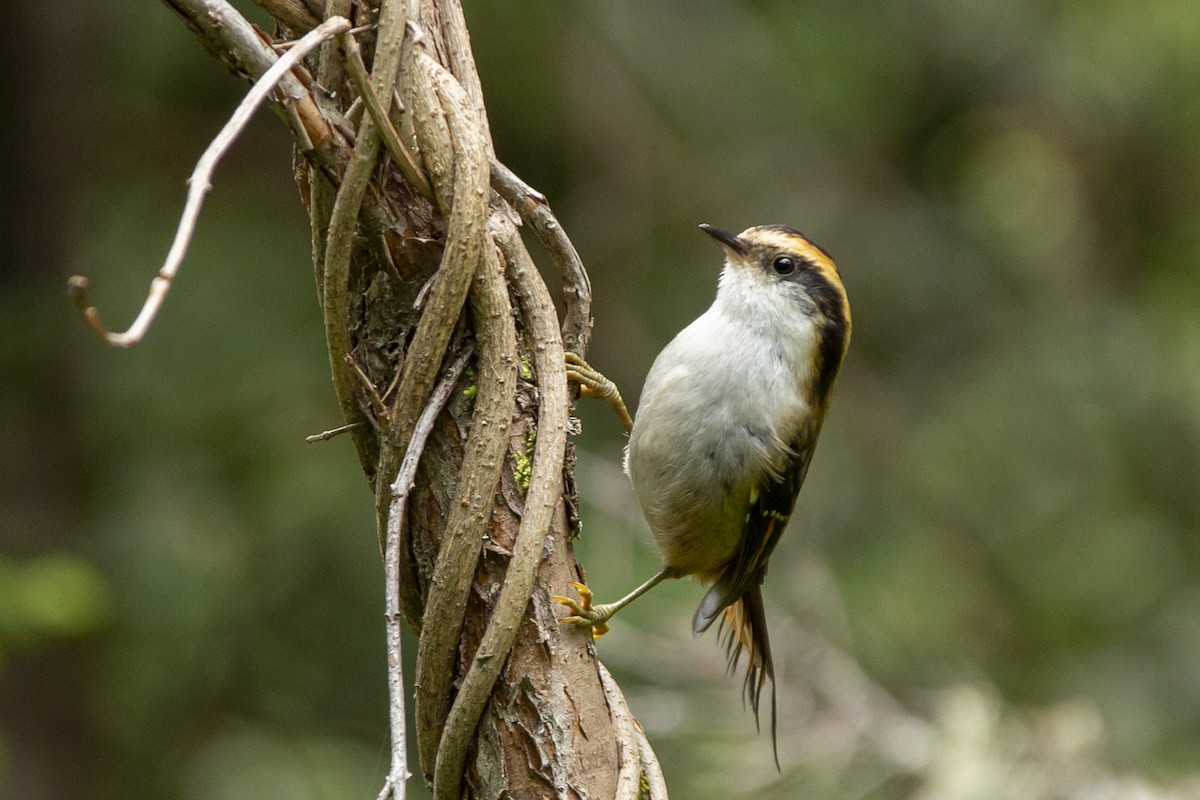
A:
<point x="715" y="600"/>
<point x="743" y="629"/>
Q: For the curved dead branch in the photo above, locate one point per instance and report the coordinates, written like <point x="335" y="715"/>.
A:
<point x="200" y="183"/>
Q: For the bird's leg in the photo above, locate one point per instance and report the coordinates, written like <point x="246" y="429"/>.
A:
<point x="593" y="384"/>
<point x="586" y="615"/>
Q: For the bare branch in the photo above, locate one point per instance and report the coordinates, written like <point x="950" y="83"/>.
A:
<point x="321" y="186"/>
<point x="391" y="138"/>
<point x="457" y="172"/>
<point x="343" y="218"/>
<point x="458" y="553"/>
<point x="577" y="288"/>
<point x="199" y="186"/>
<point x="377" y="406"/>
<point x="651" y="770"/>
<point x="292" y="13"/>
<point x="462" y="62"/>
<point x="358" y="206"/>
<point x="228" y="36"/>
<point x="279" y="47"/>
<point x="398" y="773"/>
<point x="325" y="436"/>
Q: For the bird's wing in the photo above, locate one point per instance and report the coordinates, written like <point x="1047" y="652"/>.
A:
<point x="737" y="594"/>
<point x="765" y="521"/>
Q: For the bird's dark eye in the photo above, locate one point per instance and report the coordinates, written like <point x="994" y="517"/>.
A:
<point x="784" y="265"/>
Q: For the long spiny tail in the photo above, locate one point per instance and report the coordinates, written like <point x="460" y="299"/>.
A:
<point x="743" y="629"/>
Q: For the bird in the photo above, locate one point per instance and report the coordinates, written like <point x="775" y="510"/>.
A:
<point x="725" y="431"/>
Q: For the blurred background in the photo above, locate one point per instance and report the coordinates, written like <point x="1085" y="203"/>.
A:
<point x="991" y="587"/>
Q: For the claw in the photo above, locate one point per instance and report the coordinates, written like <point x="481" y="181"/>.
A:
<point x="593" y="384"/>
<point x="585" y="593"/>
<point x="575" y="607"/>
<point x="590" y="381"/>
<point x="581" y="612"/>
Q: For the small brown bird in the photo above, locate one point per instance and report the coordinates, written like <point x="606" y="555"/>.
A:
<point x="725" y="431"/>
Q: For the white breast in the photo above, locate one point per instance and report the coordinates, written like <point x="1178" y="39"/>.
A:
<point x="720" y="407"/>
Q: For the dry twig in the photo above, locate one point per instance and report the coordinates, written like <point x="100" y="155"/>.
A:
<point x="325" y="436"/>
<point x="542" y="498"/>
<point x="629" y="772"/>
<point x="399" y="773"/>
<point x="199" y="186"/>
<point x="461" y="170"/>
<point x="292" y="13"/>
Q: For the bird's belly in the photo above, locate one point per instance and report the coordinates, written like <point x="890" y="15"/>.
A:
<point x="697" y="528"/>
<point x="712" y="426"/>
<point x="696" y="488"/>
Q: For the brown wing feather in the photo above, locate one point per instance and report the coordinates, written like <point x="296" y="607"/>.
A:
<point x="737" y="594"/>
<point x="765" y="522"/>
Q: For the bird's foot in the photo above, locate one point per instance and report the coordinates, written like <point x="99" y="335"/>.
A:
<point x="593" y="384"/>
<point x="584" y="614"/>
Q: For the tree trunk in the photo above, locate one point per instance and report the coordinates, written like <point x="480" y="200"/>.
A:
<point x="420" y="268"/>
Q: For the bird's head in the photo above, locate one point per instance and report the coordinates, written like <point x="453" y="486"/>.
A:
<point x="784" y="261"/>
<point x="773" y="272"/>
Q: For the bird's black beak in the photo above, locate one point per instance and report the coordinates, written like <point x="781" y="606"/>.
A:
<point x="727" y="239"/>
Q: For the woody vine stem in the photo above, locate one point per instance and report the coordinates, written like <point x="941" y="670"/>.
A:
<point x="408" y="163"/>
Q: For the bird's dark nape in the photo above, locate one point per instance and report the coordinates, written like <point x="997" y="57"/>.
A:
<point x="744" y="629"/>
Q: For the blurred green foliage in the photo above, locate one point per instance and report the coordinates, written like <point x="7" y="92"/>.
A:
<point x="1006" y="491"/>
<point x="49" y="597"/>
